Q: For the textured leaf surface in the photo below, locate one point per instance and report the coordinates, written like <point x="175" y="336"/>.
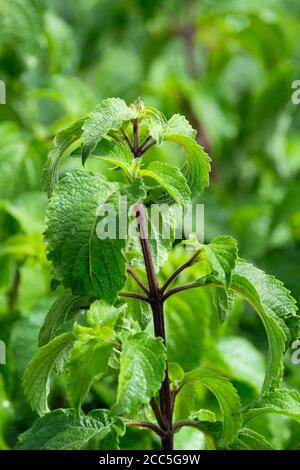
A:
<point x="110" y="114"/>
<point x="36" y="380"/>
<point x="64" y="309"/>
<point x="159" y="128"/>
<point x="222" y="254"/>
<point x="226" y="395"/>
<point x="64" y="430"/>
<point x="279" y="401"/>
<point x="62" y="141"/>
<point x="83" y="262"/>
<point x="274" y="305"/>
<point x="142" y="364"/>
<point x="88" y="360"/>
<point x="197" y="166"/>
<point x="170" y="178"/>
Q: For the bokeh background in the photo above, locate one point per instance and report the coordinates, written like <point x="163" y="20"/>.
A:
<point x="228" y="66"/>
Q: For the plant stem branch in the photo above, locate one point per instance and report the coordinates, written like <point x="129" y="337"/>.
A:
<point x="127" y="139"/>
<point x="179" y="270"/>
<point x="136" y="138"/>
<point x="147" y="147"/>
<point x="138" y="280"/>
<point x="175" y="290"/>
<point x="146" y="249"/>
<point x="157" y="413"/>
<point x="134" y="295"/>
<point x="145" y="142"/>
<point x="189" y="423"/>
<point x="146" y="424"/>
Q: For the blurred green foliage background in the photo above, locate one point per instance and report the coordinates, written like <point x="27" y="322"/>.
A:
<point x="228" y="66"/>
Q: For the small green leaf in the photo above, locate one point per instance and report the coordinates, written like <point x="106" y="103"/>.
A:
<point x="116" y="153"/>
<point x="170" y="178"/>
<point x="222" y="254"/>
<point x="140" y="311"/>
<point x="176" y="373"/>
<point x="197" y="166"/>
<point x="36" y="380"/>
<point x="159" y="128"/>
<point x="65" y="308"/>
<point x="142" y="366"/>
<point x="279" y="401"/>
<point x="103" y="314"/>
<point x="110" y="114"/>
<point x="62" y="429"/>
<point x="204" y="415"/>
<point x="226" y="395"/>
<point x="62" y="141"/>
<point x="88" y="360"/>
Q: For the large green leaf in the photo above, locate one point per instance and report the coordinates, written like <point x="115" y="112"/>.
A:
<point x="83" y="262"/>
<point x="64" y="430"/>
<point x="37" y="376"/>
<point x="226" y="395"/>
<point x="62" y="141"/>
<point x="88" y="360"/>
<point x="110" y="114"/>
<point x="170" y="178"/>
<point x="274" y="305"/>
<point x="279" y="401"/>
<point x="142" y="365"/>
<point x="65" y="308"/>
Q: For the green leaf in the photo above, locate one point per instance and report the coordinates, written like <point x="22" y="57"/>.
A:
<point x="140" y="311"/>
<point x="204" y="415"/>
<point x="116" y="153"/>
<point x="222" y="254"/>
<point x="62" y="141"/>
<point x="36" y="380"/>
<point x="103" y="314"/>
<point x="178" y="124"/>
<point x="64" y="430"/>
<point x="244" y="361"/>
<point x="274" y="305"/>
<point x="65" y="308"/>
<point x="197" y="166"/>
<point x="226" y="395"/>
<point x="88" y="360"/>
<point x="176" y="374"/>
<point x="251" y="440"/>
<point x="84" y="263"/>
<point x="110" y="114"/>
<point x="279" y="401"/>
<point x="159" y="128"/>
<point x="142" y="368"/>
<point x="170" y="178"/>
